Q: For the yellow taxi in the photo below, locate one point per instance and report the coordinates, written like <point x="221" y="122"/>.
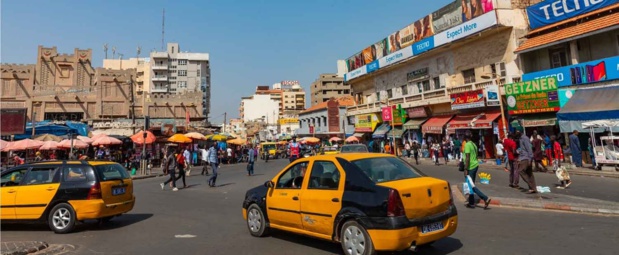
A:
<point x="366" y="202"/>
<point x="64" y="192"/>
<point x="329" y="150"/>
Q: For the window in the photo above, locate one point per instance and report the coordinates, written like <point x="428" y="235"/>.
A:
<point x="40" y="175"/>
<point x="182" y="62"/>
<point x="437" y="83"/>
<point x="404" y="90"/>
<point x="389" y="93"/>
<point x="558" y="57"/>
<point x="424" y="85"/>
<point x="182" y="72"/>
<point x="13" y="178"/>
<point x="293" y="177"/>
<point x="469" y="75"/>
<point x="74" y="173"/>
<point x="111" y="172"/>
<point x="182" y="84"/>
<point x="173" y="67"/>
<point x="64" y="71"/>
<point x="198" y="73"/>
<point x="172" y="49"/>
<point x="382" y="169"/>
<point x="325" y="175"/>
<point x="347" y="91"/>
<point x="503" y="71"/>
<point x="324" y="92"/>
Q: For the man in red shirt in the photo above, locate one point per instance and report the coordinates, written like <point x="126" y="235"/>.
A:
<point x="510" y="148"/>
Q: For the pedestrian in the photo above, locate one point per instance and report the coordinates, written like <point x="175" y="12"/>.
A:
<point x="446" y="149"/>
<point x="500" y="151"/>
<point x="229" y="155"/>
<point x="187" y="157"/>
<point x="457" y="144"/>
<point x="576" y="149"/>
<point x="181" y="164"/>
<point x="471" y="164"/>
<point x="295" y="149"/>
<point x="538" y="152"/>
<point x="214" y="162"/>
<point x="170" y="168"/>
<point x="547" y="147"/>
<point x="510" y="149"/>
<point x="204" y="157"/>
<point x="250" y="161"/>
<point x="525" y="155"/>
<point x="387" y="148"/>
<point x="591" y="151"/>
<point x="556" y="153"/>
<point x="416" y="149"/>
<point x="407" y="150"/>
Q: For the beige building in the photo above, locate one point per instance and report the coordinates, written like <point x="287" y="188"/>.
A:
<point x="328" y="86"/>
<point x="142" y="67"/>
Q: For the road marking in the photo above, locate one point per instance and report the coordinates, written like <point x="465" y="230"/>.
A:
<point x="184" y="236"/>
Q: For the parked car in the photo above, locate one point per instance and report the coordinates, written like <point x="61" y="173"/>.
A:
<point x="64" y="192"/>
<point x="354" y="148"/>
<point x="366" y="202"/>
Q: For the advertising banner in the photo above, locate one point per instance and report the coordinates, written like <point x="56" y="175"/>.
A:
<point x="397" y="116"/>
<point x="424" y="45"/>
<point x="532" y="96"/>
<point x="448" y="16"/>
<point x="381" y="49"/>
<point x="366" y="123"/>
<point x="356" y="73"/>
<point x="549" y="12"/>
<point x="395" y="57"/>
<point x="394" y="42"/>
<point x="465" y="29"/>
<point x="565" y="95"/>
<point x="474" y="8"/>
<point x="407" y="36"/>
<point x="492" y="95"/>
<point x="387" y="113"/>
<point x="371" y="67"/>
<point x="466" y="100"/>
<point x="368" y="55"/>
<point x="583" y="73"/>
<point x="416" y="112"/>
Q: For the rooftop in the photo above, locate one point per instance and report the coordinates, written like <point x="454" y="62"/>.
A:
<point x="344" y="101"/>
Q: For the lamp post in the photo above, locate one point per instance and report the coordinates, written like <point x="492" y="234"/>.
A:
<point x="497" y="81"/>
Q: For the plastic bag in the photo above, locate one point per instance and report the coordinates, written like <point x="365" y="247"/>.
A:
<point x="466" y="190"/>
<point x="562" y="174"/>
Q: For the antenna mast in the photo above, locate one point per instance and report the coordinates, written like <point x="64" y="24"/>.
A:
<point x="162" y="29"/>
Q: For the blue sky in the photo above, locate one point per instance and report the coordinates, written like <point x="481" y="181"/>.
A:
<point x="250" y="42"/>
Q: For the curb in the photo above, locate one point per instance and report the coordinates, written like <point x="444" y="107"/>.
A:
<point x="38" y="246"/>
<point x="508" y="202"/>
<point x="141" y="177"/>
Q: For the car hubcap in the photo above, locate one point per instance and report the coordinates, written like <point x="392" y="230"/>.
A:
<point x="61" y="218"/>
<point x="354" y="240"/>
<point x="254" y="220"/>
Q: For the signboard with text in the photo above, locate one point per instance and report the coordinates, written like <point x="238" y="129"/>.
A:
<point x="583" y="73"/>
<point x="366" y="122"/>
<point x="387" y="113"/>
<point x="467" y="100"/>
<point x="550" y="12"/>
<point x="532" y="96"/>
<point x="417" y="112"/>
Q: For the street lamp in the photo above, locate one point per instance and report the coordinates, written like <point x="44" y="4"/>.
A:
<point x="497" y="81"/>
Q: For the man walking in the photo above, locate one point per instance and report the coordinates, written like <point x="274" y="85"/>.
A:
<point x="415" y="149"/>
<point x="510" y="148"/>
<point x="187" y="156"/>
<point x="525" y="155"/>
<point x="214" y="162"/>
<point x="575" y="149"/>
<point x="250" y="161"/>
<point x="170" y="168"/>
<point x="538" y="153"/>
<point x="457" y="145"/>
<point x="471" y="164"/>
<point x="204" y="157"/>
<point x="181" y="165"/>
<point x="295" y="149"/>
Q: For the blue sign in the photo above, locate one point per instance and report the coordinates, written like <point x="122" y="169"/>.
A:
<point x="553" y="11"/>
<point x="372" y="66"/>
<point x="583" y="73"/>
<point x="424" y="45"/>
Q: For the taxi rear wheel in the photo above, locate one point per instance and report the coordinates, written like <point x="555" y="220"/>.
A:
<point x="61" y="218"/>
<point x="256" y="222"/>
<point x="355" y="239"/>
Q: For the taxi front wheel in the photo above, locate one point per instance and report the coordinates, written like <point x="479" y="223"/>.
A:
<point x="355" y="239"/>
<point x="61" y="218"/>
<point x="255" y="221"/>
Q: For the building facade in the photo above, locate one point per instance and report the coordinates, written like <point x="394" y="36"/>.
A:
<point x="327" y="119"/>
<point x="328" y="86"/>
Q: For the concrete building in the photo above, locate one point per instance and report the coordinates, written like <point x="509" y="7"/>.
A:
<point x="260" y="107"/>
<point x="142" y="67"/>
<point x="327" y="119"/>
<point x="328" y="86"/>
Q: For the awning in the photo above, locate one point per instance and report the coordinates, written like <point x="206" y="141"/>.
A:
<point x="358" y="135"/>
<point x="586" y="28"/>
<point x="485" y="120"/>
<point x="435" y="124"/>
<point x="397" y="132"/>
<point x="414" y="123"/>
<point x="588" y="105"/>
<point x="381" y="131"/>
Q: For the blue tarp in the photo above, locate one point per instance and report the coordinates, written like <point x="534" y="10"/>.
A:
<point x="588" y="105"/>
<point x="78" y="128"/>
<point x="46" y="127"/>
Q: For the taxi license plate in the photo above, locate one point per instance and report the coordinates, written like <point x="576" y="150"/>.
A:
<point x="118" y="191"/>
<point x="432" y="227"/>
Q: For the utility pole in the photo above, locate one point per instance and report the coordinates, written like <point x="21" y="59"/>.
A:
<point x="225" y="117"/>
<point x="130" y="81"/>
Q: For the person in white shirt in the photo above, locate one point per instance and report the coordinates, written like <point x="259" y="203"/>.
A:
<point x="500" y="150"/>
<point x="229" y="154"/>
<point x="204" y="156"/>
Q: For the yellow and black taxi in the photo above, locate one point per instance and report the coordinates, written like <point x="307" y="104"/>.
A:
<point x="367" y="202"/>
<point x="64" y="192"/>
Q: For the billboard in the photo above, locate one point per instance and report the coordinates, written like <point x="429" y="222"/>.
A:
<point x="550" y="12"/>
<point x="448" y="16"/>
<point x="532" y="96"/>
<point x="583" y="73"/>
<point x="474" y="8"/>
<point x="466" y="100"/>
<point x="366" y="123"/>
<point x="13" y="121"/>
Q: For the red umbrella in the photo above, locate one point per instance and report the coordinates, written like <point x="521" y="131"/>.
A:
<point x="97" y="136"/>
<point x="85" y="139"/>
<point x="26" y="144"/>
<point x="106" y="140"/>
<point x="139" y="137"/>
<point x="5" y="146"/>
<point x="76" y="144"/>
<point x="49" y="146"/>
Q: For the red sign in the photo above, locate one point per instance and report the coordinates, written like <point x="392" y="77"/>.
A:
<point x="416" y="112"/>
<point x="466" y="100"/>
<point x="311" y="129"/>
<point x="13" y="121"/>
<point x="387" y="113"/>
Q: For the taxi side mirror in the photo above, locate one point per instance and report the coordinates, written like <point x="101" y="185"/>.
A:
<point x="268" y="184"/>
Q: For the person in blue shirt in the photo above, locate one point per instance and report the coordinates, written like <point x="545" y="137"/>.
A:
<point x="250" y="161"/>
<point x="214" y="162"/>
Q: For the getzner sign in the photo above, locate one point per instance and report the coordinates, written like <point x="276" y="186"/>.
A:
<point x="544" y="84"/>
<point x="534" y="96"/>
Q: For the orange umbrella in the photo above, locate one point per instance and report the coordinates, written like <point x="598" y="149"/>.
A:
<point x="106" y="140"/>
<point x="26" y="144"/>
<point x="311" y="140"/>
<point x="49" y="146"/>
<point x="352" y="139"/>
<point x="76" y="144"/>
<point x="335" y="139"/>
<point x="85" y="139"/>
<point x="179" y="138"/>
<point x="195" y="135"/>
<point x="139" y="138"/>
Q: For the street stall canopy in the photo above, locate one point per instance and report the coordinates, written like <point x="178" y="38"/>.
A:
<point x="358" y="135"/>
<point x="435" y="124"/>
<point x="414" y="123"/>
<point x="588" y="105"/>
<point x="397" y="132"/>
<point x="381" y="131"/>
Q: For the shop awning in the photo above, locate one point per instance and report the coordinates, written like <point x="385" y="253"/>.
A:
<point x="588" y="105"/>
<point x="397" y="132"/>
<point x="381" y="131"/>
<point x="435" y="124"/>
<point x="414" y="123"/>
<point x="358" y="135"/>
<point x="485" y="120"/>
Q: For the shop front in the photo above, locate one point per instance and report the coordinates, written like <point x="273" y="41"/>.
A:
<point x="365" y="125"/>
<point x="412" y="128"/>
<point x="433" y="128"/>
<point x="545" y="123"/>
<point x="533" y="105"/>
<point x="481" y="125"/>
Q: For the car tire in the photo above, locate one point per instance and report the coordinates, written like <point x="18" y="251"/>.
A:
<point x="105" y="220"/>
<point x="256" y="223"/>
<point x="355" y="239"/>
<point x="61" y="218"/>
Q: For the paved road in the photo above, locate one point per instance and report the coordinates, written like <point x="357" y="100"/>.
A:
<point x="213" y="216"/>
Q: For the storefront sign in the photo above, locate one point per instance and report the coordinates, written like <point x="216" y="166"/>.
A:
<point x="395" y="57"/>
<point x="465" y="29"/>
<point x="492" y="95"/>
<point x="366" y="122"/>
<point x="397" y="115"/>
<point x="466" y="100"/>
<point x="448" y="16"/>
<point x="372" y="66"/>
<point x="423" y="45"/>
<point x="417" y="112"/>
<point x="417" y="74"/>
<point x="539" y="123"/>
<point x="538" y="85"/>
<point x="64" y="116"/>
<point x="533" y="102"/>
<point x="550" y="12"/>
<point x="387" y="113"/>
<point x="583" y="73"/>
<point x="288" y="121"/>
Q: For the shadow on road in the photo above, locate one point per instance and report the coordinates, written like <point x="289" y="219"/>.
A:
<point x="90" y="225"/>
<point x="225" y="184"/>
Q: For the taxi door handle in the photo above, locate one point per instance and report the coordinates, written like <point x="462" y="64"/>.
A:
<point x="50" y="189"/>
<point x="335" y="199"/>
<point x="11" y="191"/>
<point x="295" y="198"/>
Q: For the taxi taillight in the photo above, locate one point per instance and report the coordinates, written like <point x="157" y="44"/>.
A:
<point x="95" y="192"/>
<point x="395" y="207"/>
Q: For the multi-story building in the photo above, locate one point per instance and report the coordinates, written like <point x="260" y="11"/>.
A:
<point x="328" y="86"/>
<point x="438" y="67"/>
<point x="327" y="119"/>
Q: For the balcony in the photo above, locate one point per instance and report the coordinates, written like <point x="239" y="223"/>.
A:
<point x="160" y="67"/>
<point x="160" y="78"/>
<point x="159" y="55"/>
<point x="159" y="90"/>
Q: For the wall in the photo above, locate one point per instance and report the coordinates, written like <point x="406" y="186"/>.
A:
<point x="258" y="106"/>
